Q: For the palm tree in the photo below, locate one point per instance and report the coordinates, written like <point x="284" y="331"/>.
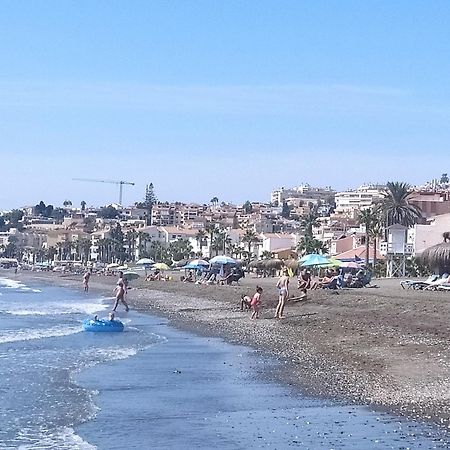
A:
<point x="397" y="207"/>
<point x="308" y="245"/>
<point x="217" y="244"/>
<point x="214" y="201"/>
<point x="84" y="249"/>
<point x="211" y="229"/>
<point x="309" y="221"/>
<point x="131" y="243"/>
<point x="249" y="237"/>
<point x="367" y="217"/>
<point x="200" y="237"/>
<point x="142" y="239"/>
<point x="59" y="248"/>
<point x="224" y="239"/>
<point x="376" y="231"/>
<point x="51" y="252"/>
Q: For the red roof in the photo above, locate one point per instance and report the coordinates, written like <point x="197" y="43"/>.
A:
<point x="359" y="252"/>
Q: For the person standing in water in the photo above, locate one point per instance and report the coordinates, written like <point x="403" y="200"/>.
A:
<point x="120" y="291"/>
<point x="283" y="291"/>
<point x="86" y="277"/>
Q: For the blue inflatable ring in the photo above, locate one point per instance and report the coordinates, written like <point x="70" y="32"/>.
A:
<point x="102" y="325"/>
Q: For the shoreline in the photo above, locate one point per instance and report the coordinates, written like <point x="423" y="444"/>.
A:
<point x="385" y="348"/>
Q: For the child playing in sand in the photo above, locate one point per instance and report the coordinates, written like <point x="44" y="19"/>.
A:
<point x="245" y="302"/>
<point x="256" y="303"/>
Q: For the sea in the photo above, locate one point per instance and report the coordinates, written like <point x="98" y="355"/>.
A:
<point x="156" y="387"/>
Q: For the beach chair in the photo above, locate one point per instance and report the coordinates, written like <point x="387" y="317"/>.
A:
<point x="414" y="284"/>
<point x="442" y="281"/>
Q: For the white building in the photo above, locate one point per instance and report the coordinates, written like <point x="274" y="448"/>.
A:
<point x="361" y="198"/>
<point x="271" y="242"/>
<point x="424" y="236"/>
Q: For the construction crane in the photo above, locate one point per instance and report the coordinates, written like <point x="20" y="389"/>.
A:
<point x="120" y="183"/>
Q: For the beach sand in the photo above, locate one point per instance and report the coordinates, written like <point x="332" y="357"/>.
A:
<point x="385" y="347"/>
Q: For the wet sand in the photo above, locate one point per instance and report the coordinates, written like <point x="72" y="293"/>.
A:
<point x="385" y="346"/>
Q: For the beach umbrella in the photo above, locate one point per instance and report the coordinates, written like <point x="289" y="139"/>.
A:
<point x="291" y="264"/>
<point x="255" y="264"/>
<point x="350" y="265"/>
<point x="180" y="263"/>
<point x="124" y="267"/>
<point x="193" y="266"/>
<point x="334" y="263"/>
<point x="437" y="257"/>
<point x="274" y="263"/>
<point x="129" y="275"/>
<point x="161" y="266"/>
<point x="199" y="262"/>
<point x="222" y="259"/>
<point x="112" y="266"/>
<point x="314" y="259"/>
<point x="145" y="262"/>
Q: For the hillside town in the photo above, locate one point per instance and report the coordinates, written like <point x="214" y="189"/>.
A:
<point x="296" y="221"/>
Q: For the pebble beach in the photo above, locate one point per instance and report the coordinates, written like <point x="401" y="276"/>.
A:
<point x="383" y="346"/>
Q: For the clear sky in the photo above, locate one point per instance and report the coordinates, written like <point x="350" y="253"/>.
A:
<point x="219" y="98"/>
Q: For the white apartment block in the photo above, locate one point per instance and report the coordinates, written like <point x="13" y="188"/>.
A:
<point x="351" y="201"/>
<point x="304" y="191"/>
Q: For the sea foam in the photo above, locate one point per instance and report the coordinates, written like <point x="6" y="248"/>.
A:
<point x="7" y="283"/>
<point x="61" y="439"/>
<point x="9" y="336"/>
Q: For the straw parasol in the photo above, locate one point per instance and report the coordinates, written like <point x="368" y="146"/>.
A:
<point x="255" y="264"/>
<point x="438" y="256"/>
<point x="291" y="264"/>
<point x="273" y="263"/>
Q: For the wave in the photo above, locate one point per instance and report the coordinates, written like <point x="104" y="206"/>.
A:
<point x="56" y="309"/>
<point x="61" y="439"/>
<point x="9" y="336"/>
<point x="7" y="283"/>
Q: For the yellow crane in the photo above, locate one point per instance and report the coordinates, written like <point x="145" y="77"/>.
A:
<point x="120" y="183"/>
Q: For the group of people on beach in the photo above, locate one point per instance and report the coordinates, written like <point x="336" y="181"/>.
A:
<point x="255" y="303"/>
<point x="120" y="290"/>
<point x="333" y="279"/>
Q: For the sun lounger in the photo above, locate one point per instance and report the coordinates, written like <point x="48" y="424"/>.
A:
<point x="444" y="287"/>
<point x="414" y="284"/>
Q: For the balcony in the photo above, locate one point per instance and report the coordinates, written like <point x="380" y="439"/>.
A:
<point x="391" y="248"/>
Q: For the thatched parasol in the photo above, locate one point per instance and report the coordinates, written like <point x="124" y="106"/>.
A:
<point x="291" y="264"/>
<point x="273" y="263"/>
<point x="437" y="257"/>
<point x="255" y="264"/>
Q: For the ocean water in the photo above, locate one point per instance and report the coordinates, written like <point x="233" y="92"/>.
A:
<point x="155" y="387"/>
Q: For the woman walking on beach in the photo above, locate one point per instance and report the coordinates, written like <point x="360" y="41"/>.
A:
<point x="86" y="277"/>
<point x="256" y="303"/>
<point x="283" y="291"/>
<point x="120" y="291"/>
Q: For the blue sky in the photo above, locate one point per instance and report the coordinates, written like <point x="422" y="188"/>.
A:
<point x="219" y="98"/>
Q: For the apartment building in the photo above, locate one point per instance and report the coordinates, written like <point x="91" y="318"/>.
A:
<point x="303" y="191"/>
<point x="361" y="198"/>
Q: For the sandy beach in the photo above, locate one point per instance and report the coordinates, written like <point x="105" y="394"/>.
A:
<point x="384" y="346"/>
